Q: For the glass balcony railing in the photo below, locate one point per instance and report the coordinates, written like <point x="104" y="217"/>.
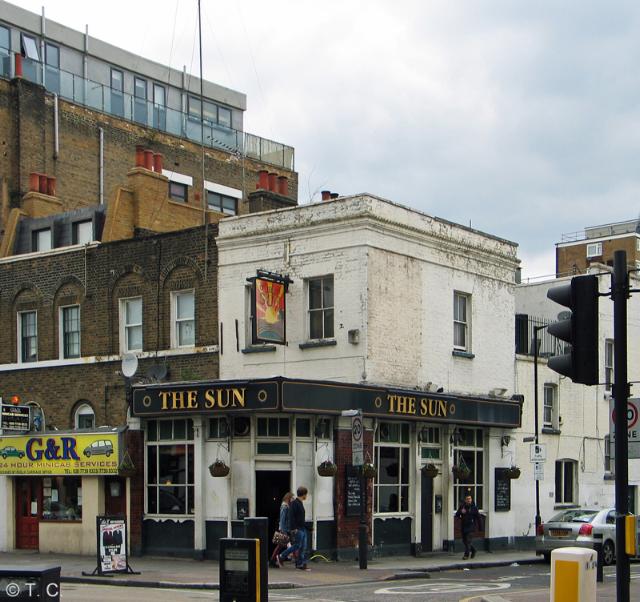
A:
<point x="79" y="90"/>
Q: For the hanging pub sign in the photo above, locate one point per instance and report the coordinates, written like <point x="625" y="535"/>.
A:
<point x="269" y="309"/>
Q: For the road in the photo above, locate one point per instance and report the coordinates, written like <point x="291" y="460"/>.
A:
<point x="516" y="583"/>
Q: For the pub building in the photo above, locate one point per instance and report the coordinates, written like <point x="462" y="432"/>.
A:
<point x="218" y="451"/>
<point x="57" y="482"/>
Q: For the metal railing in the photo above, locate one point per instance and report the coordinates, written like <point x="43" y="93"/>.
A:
<point x="105" y="99"/>
<point x="525" y="343"/>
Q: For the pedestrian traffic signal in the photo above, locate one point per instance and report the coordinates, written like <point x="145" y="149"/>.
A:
<point x="580" y="329"/>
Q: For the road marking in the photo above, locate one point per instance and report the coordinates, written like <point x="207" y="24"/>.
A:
<point x="443" y="587"/>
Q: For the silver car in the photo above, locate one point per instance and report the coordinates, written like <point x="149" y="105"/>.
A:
<point x="577" y="527"/>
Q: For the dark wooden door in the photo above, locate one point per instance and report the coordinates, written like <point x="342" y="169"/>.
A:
<point x="115" y="496"/>
<point x="271" y="485"/>
<point x="28" y="511"/>
<point x="426" y="534"/>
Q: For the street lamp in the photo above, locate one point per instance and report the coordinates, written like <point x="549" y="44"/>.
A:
<point x="536" y="330"/>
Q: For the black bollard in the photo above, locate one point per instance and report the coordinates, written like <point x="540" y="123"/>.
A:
<point x="258" y="528"/>
<point x="597" y="546"/>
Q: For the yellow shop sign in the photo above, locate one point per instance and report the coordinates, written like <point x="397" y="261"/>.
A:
<point x="69" y="454"/>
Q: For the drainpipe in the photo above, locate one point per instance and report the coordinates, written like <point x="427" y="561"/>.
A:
<point x="56" y="138"/>
<point x="101" y="165"/>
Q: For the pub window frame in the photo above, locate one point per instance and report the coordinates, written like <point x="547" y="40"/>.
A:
<point x="464" y="444"/>
<point x="272" y="441"/>
<point x="389" y="437"/>
<point x="430" y="443"/>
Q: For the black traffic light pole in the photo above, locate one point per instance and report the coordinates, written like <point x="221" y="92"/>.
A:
<point x="619" y="294"/>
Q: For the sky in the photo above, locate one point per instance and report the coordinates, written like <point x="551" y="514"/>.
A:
<point x="521" y="119"/>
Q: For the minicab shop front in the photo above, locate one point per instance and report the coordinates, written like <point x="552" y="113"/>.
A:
<point x="56" y="483"/>
<point x="219" y="451"/>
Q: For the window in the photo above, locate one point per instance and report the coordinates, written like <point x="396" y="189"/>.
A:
<point x="183" y="319"/>
<point x="222" y="203"/>
<point x="52" y="55"/>
<point x="607" y="453"/>
<point x="52" y="70"/>
<point x="391" y="451"/>
<point x="608" y="364"/>
<point x="28" y="336"/>
<point x="178" y="191"/>
<point x="218" y="428"/>
<point x="461" y="304"/>
<point x="303" y="428"/>
<point x="117" y="89"/>
<point x="30" y="48"/>
<point x="549" y="406"/>
<point x="213" y="114"/>
<point x="5" y="45"/>
<point x="159" y="107"/>
<point x="82" y="232"/>
<point x="70" y="331"/>
<point x="321" y="308"/>
<point x="170" y="467"/>
<point x="224" y="117"/>
<point x="117" y="80"/>
<point x="62" y="498"/>
<point x="273" y="435"/>
<point x="131" y="324"/>
<point x="430" y="441"/>
<point x="85" y="417"/>
<point x="41" y="240"/>
<point x="566" y="481"/>
<point x="594" y="249"/>
<point x="468" y="455"/>
<point x="140" y="100"/>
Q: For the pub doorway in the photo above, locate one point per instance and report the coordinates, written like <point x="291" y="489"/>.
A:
<point x="28" y="511"/>
<point x="115" y="499"/>
<point x="426" y="534"/>
<point x="271" y="485"/>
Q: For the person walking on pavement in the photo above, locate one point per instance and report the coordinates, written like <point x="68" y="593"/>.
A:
<point x="298" y="531"/>
<point x="282" y="535"/>
<point x="470" y="518"/>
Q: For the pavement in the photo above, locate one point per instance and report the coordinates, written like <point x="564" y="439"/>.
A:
<point x="204" y="574"/>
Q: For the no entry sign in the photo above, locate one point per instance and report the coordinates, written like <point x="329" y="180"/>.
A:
<point x="633" y="427"/>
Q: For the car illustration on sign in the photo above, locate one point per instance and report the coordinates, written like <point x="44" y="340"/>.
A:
<point x="101" y="447"/>
<point x="11" y="452"/>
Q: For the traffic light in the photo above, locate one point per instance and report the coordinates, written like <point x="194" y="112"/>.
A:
<point x="580" y="329"/>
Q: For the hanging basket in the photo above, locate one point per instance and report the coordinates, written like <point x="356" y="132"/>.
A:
<point x="513" y="472"/>
<point x="219" y="469"/>
<point x="461" y="472"/>
<point x="327" y="469"/>
<point x="430" y="471"/>
<point x="368" y="470"/>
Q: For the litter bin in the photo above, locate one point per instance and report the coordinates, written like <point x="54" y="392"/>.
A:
<point x="33" y="583"/>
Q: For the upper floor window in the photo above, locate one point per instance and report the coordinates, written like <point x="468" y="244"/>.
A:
<point x="550" y="406"/>
<point x="159" y="107"/>
<point x="222" y="203"/>
<point x="5" y="40"/>
<point x="30" y="47"/>
<point x="52" y="55"/>
<point x="117" y="80"/>
<point x="70" y="331"/>
<point x="183" y="319"/>
<point x="566" y="490"/>
<point x="461" y="307"/>
<point x="131" y="324"/>
<point x="607" y="453"/>
<point x="178" y="191"/>
<point x="608" y="364"/>
<point x="213" y="113"/>
<point x="594" y="249"/>
<point x="52" y="72"/>
<point x="116" y="97"/>
<point x="82" y="232"/>
<point x="41" y="240"/>
<point x="321" y="307"/>
<point x="28" y="336"/>
<point x="84" y="417"/>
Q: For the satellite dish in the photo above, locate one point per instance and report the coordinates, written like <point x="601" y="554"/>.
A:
<point x="129" y="364"/>
<point x="564" y="315"/>
<point x="157" y="371"/>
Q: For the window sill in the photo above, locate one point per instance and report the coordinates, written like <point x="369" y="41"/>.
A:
<point x="550" y="431"/>
<point x="259" y="349"/>
<point x="318" y="343"/>
<point x="460" y="353"/>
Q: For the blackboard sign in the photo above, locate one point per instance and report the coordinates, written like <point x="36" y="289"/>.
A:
<point x="352" y="490"/>
<point x="502" y="501"/>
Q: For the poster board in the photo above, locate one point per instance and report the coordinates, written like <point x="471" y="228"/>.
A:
<point x="112" y="544"/>
<point x="352" y="490"/>
<point x="502" y="491"/>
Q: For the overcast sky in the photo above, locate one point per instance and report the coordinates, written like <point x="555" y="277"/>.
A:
<point x="520" y="118"/>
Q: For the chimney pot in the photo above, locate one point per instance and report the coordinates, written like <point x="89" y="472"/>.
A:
<point x="34" y="182"/>
<point x="42" y="183"/>
<point x="273" y="182"/>
<point x="51" y="185"/>
<point x="283" y="185"/>
<point x="18" y="65"/>
<point x="334" y="195"/>
<point x="157" y="162"/>
<point x="148" y="159"/>
<point x="263" y="179"/>
<point x="326" y="195"/>
<point x="139" y="156"/>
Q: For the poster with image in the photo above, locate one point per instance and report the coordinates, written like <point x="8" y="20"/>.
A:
<point x="269" y="310"/>
<point x="112" y="544"/>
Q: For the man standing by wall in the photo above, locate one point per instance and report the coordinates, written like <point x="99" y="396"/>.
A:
<point x="298" y="531"/>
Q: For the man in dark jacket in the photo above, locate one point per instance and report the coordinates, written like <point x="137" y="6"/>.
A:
<point x="298" y="531"/>
<point x="470" y="517"/>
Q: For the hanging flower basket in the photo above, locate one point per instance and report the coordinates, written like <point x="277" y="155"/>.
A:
<point x="368" y="470"/>
<point x="461" y="472"/>
<point x="219" y="469"/>
<point x="430" y="471"/>
<point x="513" y="472"/>
<point x="327" y="469"/>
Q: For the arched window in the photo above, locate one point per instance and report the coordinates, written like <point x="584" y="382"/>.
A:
<point x="84" y="417"/>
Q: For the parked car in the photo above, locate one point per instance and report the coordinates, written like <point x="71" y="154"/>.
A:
<point x="101" y="447"/>
<point x="577" y="527"/>
<point x="11" y="452"/>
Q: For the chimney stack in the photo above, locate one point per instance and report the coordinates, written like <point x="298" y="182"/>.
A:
<point x="326" y="195"/>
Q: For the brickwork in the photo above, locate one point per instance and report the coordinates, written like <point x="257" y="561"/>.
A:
<point x="572" y="259"/>
<point x="135" y="447"/>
